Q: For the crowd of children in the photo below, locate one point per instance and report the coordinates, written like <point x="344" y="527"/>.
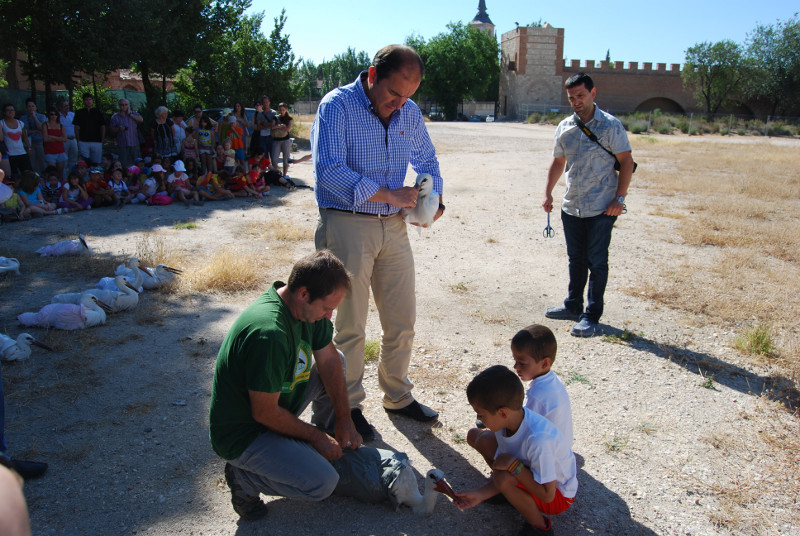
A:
<point x="152" y="181"/>
<point x="525" y="437"/>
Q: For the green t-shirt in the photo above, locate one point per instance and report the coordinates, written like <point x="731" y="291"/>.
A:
<point x="266" y="350"/>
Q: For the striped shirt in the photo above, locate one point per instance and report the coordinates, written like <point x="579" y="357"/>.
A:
<point x="591" y="178"/>
<point x="355" y="153"/>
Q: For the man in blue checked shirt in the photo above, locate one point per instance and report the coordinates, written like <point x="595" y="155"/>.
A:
<point x="364" y="136"/>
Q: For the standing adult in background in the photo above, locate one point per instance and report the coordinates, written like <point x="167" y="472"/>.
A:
<point x="66" y="117"/>
<point x="33" y="121"/>
<point x="90" y="131"/>
<point x="281" y="142"/>
<point x="265" y="118"/>
<point x="178" y="131"/>
<point x="241" y="118"/>
<point x="55" y="153"/>
<point x="15" y="136"/>
<point x="594" y="198"/>
<point x="161" y="130"/>
<point x="125" y="124"/>
<point x="364" y="136"/>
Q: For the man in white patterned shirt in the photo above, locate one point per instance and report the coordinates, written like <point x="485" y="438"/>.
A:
<point x="364" y="136"/>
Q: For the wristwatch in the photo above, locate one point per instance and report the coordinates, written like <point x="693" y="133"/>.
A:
<point x="621" y="199"/>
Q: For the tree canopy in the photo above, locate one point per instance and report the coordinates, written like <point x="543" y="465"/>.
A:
<point x="773" y="52"/>
<point x="460" y="64"/>
<point x="715" y="72"/>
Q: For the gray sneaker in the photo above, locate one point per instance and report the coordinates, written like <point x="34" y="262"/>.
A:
<point x="249" y="508"/>
<point x="584" y="328"/>
<point x="562" y="313"/>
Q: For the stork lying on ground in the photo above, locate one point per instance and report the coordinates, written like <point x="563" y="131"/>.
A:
<point x="132" y="272"/>
<point x="9" y="265"/>
<point x="68" y="316"/>
<point x="160" y="276"/>
<point x="66" y="247"/>
<point x="19" y="349"/>
<point x="123" y="300"/>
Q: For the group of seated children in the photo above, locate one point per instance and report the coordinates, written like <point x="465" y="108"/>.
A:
<point x="526" y="438"/>
<point x="154" y="181"/>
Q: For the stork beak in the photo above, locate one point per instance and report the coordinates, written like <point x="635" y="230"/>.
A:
<point x="104" y="306"/>
<point x="41" y="345"/>
<point x="83" y="241"/>
<point x="173" y="270"/>
<point x="132" y="287"/>
<point x="146" y="271"/>
<point x="443" y="487"/>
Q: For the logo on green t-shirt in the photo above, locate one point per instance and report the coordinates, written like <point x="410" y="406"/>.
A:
<point x="302" y="368"/>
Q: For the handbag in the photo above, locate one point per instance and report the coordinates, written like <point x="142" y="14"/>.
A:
<point x="591" y="136"/>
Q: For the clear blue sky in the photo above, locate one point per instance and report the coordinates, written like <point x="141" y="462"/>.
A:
<point x="632" y="30"/>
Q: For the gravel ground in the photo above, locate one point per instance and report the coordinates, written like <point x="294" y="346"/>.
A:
<point x="120" y="411"/>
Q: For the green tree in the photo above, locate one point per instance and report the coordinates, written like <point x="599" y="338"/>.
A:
<point x="305" y="83"/>
<point x="343" y="69"/>
<point x="240" y="63"/>
<point x="460" y="64"/>
<point x="774" y="52"/>
<point x="714" y="71"/>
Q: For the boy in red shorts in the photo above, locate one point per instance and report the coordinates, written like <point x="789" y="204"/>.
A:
<point x="532" y="464"/>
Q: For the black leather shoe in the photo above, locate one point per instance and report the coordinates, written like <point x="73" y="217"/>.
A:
<point x="362" y="426"/>
<point x="562" y="313"/>
<point x="416" y="411"/>
<point x="29" y="470"/>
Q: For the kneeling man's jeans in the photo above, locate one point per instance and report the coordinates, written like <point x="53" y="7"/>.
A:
<point x="275" y="464"/>
<point x="587" y="247"/>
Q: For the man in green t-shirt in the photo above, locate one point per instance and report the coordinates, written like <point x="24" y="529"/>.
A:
<point x="276" y="359"/>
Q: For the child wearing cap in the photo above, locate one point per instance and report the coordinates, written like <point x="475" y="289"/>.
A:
<point x="120" y="187"/>
<point x="178" y="186"/>
<point x="99" y="190"/>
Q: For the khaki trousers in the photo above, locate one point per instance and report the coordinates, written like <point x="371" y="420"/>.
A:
<point x="378" y="255"/>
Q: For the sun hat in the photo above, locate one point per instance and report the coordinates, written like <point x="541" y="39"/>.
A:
<point x="157" y="167"/>
<point x="96" y="169"/>
<point x="178" y="165"/>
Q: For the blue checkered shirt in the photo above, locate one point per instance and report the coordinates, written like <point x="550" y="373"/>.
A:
<point x="355" y="153"/>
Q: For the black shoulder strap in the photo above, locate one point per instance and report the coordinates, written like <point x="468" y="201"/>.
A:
<point x="590" y="134"/>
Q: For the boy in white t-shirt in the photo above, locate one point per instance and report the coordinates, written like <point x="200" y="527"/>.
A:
<point x="532" y="464"/>
<point x="534" y="350"/>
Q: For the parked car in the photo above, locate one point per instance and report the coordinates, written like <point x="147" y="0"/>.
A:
<point x="490" y="118"/>
<point x="475" y="118"/>
<point x="215" y="114"/>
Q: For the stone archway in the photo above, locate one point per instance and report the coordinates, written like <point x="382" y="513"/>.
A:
<point x="660" y="103"/>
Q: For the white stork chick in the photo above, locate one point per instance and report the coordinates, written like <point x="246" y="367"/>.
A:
<point x="124" y="300"/>
<point x="427" y="203"/>
<point x="68" y="316"/>
<point x="9" y="265"/>
<point x="17" y="350"/>
<point x="67" y="247"/>
<point x="160" y="276"/>
<point x="405" y="490"/>
<point x="133" y="273"/>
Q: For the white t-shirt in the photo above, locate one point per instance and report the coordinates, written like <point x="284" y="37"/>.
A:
<point x="548" y="397"/>
<point x="149" y="186"/>
<point x="541" y="448"/>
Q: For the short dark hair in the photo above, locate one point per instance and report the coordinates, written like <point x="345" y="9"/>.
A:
<point x="30" y="99"/>
<point x="494" y="388"/>
<point x="88" y="96"/>
<point x="392" y="58"/>
<point x="577" y="79"/>
<point x="536" y="341"/>
<point x="177" y="113"/>
<point x="321" y="273"/>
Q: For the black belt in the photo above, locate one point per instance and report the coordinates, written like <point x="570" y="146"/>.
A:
<point x="379" y="216"/>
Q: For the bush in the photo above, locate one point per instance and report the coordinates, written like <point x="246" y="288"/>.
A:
<point x="693" y="131"/>
<point x="723" y="131"/>
<point x="637" y="127"/>
<point x="741" y="132"/>
<point x="535" y="117"/>
<point x="664" y="128"/>
<point x="683" y="125"/>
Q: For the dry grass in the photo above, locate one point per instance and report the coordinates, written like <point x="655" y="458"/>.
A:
<point x="152" y="250"/>
<point x="229" y="270"/>
<point x="744" y="204"/>
<point x="278" y="229"/>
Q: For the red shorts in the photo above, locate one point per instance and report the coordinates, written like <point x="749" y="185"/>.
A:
<point x="558" y="505"/>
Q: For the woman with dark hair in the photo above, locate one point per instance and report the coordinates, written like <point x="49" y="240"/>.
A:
<point x="281" y="142"/>
<point x="55" y="153"/>
<point x="163" y="139"/>
<point x="16" y="139"/>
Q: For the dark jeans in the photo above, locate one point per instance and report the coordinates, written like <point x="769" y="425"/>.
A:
<point x="587" y="247"/>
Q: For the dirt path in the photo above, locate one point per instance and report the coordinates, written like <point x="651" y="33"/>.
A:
<point x="120" y="411"/>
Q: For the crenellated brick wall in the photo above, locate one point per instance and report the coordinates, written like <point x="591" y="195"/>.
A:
<point x="533" y="73"/>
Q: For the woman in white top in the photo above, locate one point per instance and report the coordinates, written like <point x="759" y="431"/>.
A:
<point x="16" y="140"/>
